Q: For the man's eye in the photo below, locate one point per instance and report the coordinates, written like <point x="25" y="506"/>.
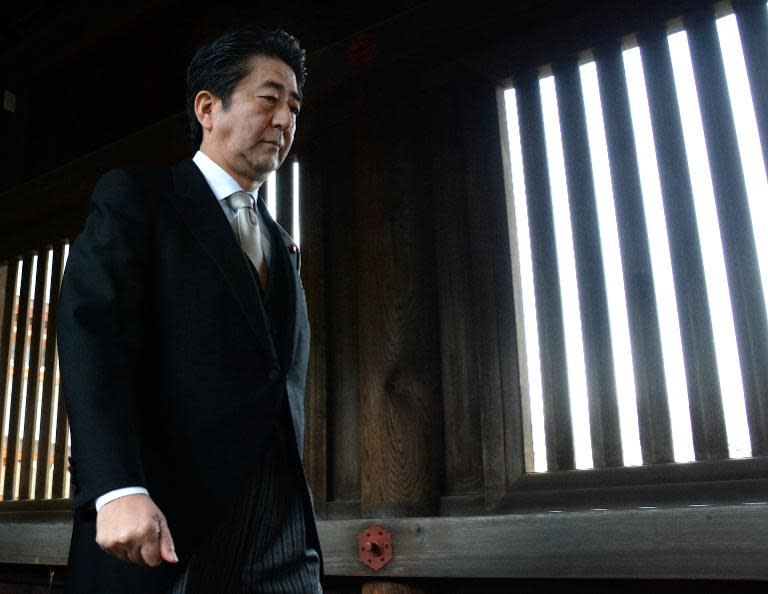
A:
<point x="295" y="110"/>
<point x="269" y="98"/>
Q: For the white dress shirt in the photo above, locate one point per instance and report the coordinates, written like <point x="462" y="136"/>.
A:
<point x="222" y="185"/>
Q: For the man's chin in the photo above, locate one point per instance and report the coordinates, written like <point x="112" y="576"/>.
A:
<point x="262" y="169"/>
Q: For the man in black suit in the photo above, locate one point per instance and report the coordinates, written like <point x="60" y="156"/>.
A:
<point x="183" y="344"/>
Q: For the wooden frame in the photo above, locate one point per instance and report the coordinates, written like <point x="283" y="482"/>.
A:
<point x="715" y="542"/>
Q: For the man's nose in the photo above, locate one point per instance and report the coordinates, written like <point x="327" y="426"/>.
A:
<point x="282" y="118"/>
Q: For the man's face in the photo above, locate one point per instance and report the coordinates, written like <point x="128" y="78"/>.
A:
<point x="251" y="137"/>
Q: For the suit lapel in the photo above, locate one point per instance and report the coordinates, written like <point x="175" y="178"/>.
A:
<point x="281" y="257"/>
<point x="204" y="218"/>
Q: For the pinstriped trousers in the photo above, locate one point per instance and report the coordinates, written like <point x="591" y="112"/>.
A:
<point x="260" y="546"/>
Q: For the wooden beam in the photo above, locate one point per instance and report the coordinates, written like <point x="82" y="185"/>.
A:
<point x="718" y="542"/>
<point x="684" y="542"/>
<point x="39" y="542"/>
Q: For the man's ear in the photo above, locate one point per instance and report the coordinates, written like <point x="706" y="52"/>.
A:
<point x="205" y="102"/>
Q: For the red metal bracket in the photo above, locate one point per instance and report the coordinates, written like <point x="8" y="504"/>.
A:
<point x="375" y="547"/>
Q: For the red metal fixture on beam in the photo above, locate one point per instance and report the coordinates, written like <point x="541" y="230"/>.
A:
<point x="375" y="547"/>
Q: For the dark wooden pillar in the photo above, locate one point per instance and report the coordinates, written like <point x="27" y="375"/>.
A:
<point x="313" y="279"/>
<point x="401" y="434"/>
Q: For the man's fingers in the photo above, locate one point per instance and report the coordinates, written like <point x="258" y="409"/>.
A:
<point x="150" y="548"/>
<point x="133" y="529"/>
<point x="167" y="549"/>
<point x="119" y="552"/>
<point x="132" y="554"/>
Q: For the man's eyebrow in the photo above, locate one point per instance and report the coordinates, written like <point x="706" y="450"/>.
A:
<point x="281" y="87"/>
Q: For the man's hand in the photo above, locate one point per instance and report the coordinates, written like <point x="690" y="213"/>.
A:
<point x="133" y="529"/>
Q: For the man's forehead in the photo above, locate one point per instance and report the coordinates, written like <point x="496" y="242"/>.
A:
<point x="271" y="72"/>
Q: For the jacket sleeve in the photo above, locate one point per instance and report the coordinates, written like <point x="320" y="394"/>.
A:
<point x="100" y="332"/>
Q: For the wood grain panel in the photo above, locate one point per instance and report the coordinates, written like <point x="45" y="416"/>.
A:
<point x="460" y="382"/>
<point x="340" y="193"/>
<point x="313" y="279"/>
<point x="398" y="332"/>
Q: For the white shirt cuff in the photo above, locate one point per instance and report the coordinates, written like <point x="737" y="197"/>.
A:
<point x="117" y="493"/>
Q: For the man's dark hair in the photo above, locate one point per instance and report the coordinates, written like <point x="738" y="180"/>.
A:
<point x="220" y="65"/>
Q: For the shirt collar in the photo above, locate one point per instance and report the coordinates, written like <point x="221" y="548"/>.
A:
<point x="221" y="183"/>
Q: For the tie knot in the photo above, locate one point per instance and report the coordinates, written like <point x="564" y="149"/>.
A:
<point x="240" y="200"/>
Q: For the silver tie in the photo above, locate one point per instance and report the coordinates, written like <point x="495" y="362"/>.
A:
<point x="246" y="226"/>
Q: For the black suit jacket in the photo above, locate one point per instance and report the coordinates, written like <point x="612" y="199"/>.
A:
<point x="168" y="369"/>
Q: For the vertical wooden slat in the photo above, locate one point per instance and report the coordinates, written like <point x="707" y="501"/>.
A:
<point x="645" y="338"/>
<point x="60" y="462"/>
<point x="708" y="425"/>
<point x="752" y="19"/>
<point x="60" y="451"/>
<point x="313" y="278"/>
<point x="492" y="306"/>
<point x="285" y="195"/>
<point x="46" y="415"/>
<point x="5" y="344"/>
<point x="521" y="453"/>
<point x="18" y="378"/>
<point x="343" y="404"/>
<point x="31" y="406"/>
<point x="593" y="299"/>
<point x="461" y="419"/>
<point x="549" y="312"/>
<point x="736" y="229"/>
